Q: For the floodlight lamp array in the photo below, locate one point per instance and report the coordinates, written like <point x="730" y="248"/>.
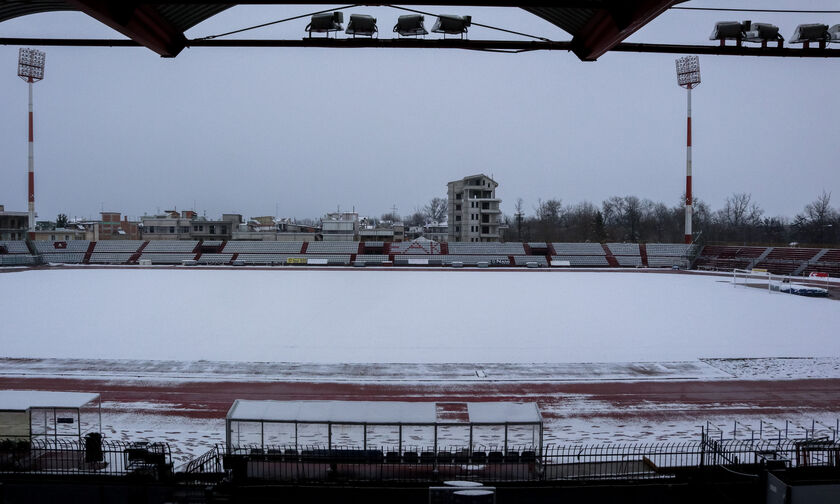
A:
<point x="31" y="64"/>
<point x="325" y="22"/>
<point x="763" y="33"/>
<point x="452" y="24"/>
<point x="361" y="25"/>
<point x="410" y="25"/>
<point x="688" y="71"/>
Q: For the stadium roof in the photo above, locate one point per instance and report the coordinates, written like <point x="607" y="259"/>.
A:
<point x="596" y="26"/>
<point x="384" y="412"/>
<point x="22" y="400"/>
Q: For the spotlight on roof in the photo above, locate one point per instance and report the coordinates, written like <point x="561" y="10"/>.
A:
<point x="834" y="33"/>
<point x="325" y="22"/>
<point x="452" y="25"/>
<point x="410" y="25"/>
<point x="729" y="30"/>
<point x="362" y="25"/>
<point x="763" y="33"/>
<point x="807" y="33"/>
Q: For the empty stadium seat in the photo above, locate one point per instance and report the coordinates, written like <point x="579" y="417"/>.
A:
<point x="263" y="247"/>
<point x="182" y="246"/>
<point x="329" y="247"/>
<point x="583" y="249"/>
<point x="117" y="246"/>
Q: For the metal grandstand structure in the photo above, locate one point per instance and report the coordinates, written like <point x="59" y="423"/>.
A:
<point x="595" y="26"/>
<point x="791" y="261"/>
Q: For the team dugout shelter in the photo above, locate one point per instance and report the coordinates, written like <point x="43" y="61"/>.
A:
<point x="366" y="424"/>
<point x="27" y="415"/>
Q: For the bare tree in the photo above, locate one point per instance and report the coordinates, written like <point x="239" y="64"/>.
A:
<point x="519" y="215"/>
<point x="435" y="210"/>
<point x="818" y="223"/>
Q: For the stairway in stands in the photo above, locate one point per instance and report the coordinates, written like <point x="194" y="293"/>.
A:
<point x="802" y="267"/>
<point x="760" y="258"/>
<point x="610" y="257"/>
<point x="91" y="246"/>
<point x="135" y="256"/>
<point x="643" y="254"/>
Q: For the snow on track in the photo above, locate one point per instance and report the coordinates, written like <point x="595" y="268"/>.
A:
<point x="353" y="316"/>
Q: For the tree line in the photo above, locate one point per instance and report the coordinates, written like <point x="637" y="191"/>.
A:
<point x="631" y="219"/>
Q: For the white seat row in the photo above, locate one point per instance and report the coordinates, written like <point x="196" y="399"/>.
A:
<point x="110" y="257"/>
<point x="585" y="249"/>
<point x="159" y="258"/>
<point x="266" y="258"/>
<point x="660" y="262"/>
<point x="215" y="258"/>
<point x="372" y="257"/>
<point x="263" y="247"/>
<point x="629" y="249"/>
<point x="171" y="246"/>
<point x="331" y="258"/>
<point x="117" y="245"/>
<point x="211" y="243"/>
<point x="71" y="246"/>
<point x="66" y="258"/>
<point x="628" y="260"/>
<point x="15" y="246"/>
<point x="374" y="244"/>
<point x="470" y="260"/>
<point x="336" y="247"/>
<point x="538" y="245"/>
<point x="523" y="260"/>
<point x="582" y="260"/>
<point x="16" y="259"/>
<point x="667" y="249"/>
<point x="486" y="248"/>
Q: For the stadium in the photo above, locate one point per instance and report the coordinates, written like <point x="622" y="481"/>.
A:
<point x="184" y="365"/>
<point x="595" y="338"/>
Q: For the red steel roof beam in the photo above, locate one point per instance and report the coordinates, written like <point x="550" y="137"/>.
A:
<point x="612" y="24"/>
<point x="139" y="22"/>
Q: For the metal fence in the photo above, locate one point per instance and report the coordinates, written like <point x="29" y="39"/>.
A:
<point x="555" y="463"/>
<point x="90" y="456"/>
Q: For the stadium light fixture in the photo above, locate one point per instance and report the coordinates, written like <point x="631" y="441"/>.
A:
<point x="31" y="70"/>
<point x="31" y="64"/>
<point x="834" y="33"/>
<point x="452" y="25"/>
<point x="362" y="25"/>
<point x="325" y="22"/>
<point x="688" y="76"/>
<point x="410" y="25"/>
<point x="688" y="71"/>
<point x="729" y="30"/>
<point x="807" y="33"/>
<point x="763" y="33"/>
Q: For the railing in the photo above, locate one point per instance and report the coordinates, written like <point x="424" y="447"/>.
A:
<point x="88" y="457"/>
<point x="556" y="463"/>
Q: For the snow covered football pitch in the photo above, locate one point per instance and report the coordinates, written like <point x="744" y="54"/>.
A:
<point x="611" y="356"/>
<point x="399" y="316"/>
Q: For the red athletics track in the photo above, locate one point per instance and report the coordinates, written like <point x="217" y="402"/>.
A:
<point x="647" y="399"/>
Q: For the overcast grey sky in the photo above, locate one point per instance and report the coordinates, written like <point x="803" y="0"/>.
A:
<point x="307" y="130"/>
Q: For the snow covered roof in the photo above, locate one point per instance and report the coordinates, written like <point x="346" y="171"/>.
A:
<point x="383" y="412"/>
<point x="22" y="400"/>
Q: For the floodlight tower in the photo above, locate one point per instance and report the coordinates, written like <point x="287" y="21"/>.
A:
<point x="31" y="69"/>
<point x="688" y="76"/>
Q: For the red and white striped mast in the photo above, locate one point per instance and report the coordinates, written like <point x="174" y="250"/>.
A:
<point x="31" y="69"/>
<point x="688" y="76"/>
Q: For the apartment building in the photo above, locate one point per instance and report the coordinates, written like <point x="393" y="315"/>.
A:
<point x="473" y="209"/>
